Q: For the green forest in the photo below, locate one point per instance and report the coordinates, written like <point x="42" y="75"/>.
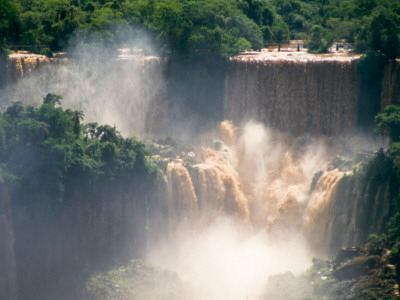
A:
<point x="200" y="28"/>
<point x="57" y="171"/>
<point x="84" y="153"/>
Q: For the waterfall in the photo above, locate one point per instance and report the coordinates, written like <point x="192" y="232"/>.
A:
<point x="255" y="175"/>
<point x="21" y="65"/>
<point x="243" y="211"/>
<point x="318" y="212"/>
<point x="253" y="189"/>
<point x="128" y="91"/>
<point x="300" y="95"/>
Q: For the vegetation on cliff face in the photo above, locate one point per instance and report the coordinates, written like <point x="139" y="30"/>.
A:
<point x="373" y="270"/>
<point x="367" y="206"/>
<point x="136" y="280"/>
<point x="81" y="196"/>
<point x="373" y="191"/>
<point x="65" y="149"/>
<point x="196" y="29"/>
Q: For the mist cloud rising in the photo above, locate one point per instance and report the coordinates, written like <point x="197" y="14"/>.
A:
<point x="225" y="260"/>
<point x="231" y="257"/>
<point x="128" y="91"/>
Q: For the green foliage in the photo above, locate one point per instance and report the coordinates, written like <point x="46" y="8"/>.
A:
<point x="395" y="255"/>
<point x="388" y="123"/>
<point x="9" y="23"/>
<point x="342" y="163"/>
<point x="321" y="275"/>
<point x="63" y="146"/>
<point x="60" y="174"/>
<point x="133" y="281"/>
<point x="377" y="240"/>
<point x="52" y="99"/>
<point x="199" y="28"/>
<point x="394" y="154"/>
<point x="394" y="226"/>
<point x="202" y="28"/>
<point x="319" y="41"/>
<point x="380" y="32"/>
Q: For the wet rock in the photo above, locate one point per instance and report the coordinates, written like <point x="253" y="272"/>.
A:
<point x="168" y="151"/>
<point x="356" y="267"/>
<point x="347" y="254"/>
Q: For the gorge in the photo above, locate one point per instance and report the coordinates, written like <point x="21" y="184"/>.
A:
<point x="267" y="185"/>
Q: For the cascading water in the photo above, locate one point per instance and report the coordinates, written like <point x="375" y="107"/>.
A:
<point x="248" y="206"/>
<point x="128" y="91"/>
<point x="294" y="92"/>
<point x="316" y="217"/>
<point x="245" y="211"/>
<point x="21" y="65"/>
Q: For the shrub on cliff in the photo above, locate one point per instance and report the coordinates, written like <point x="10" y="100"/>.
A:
<point x="388" y="122"/>
<point x="136" y="280"/>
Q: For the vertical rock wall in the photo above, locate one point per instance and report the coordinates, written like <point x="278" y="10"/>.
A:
<point x="345" y="207"/>
<point x="361" y="205"/>
<point x="391" y="84"/>
<point x="8" y="274"/>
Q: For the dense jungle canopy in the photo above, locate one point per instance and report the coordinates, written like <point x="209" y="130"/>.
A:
<point x="200" y="28"/>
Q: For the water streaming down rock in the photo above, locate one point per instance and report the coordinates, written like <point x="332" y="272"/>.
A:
<point x="270" y="182"/>
<point x="218" y="184"/>
<point x="256" y="174"/>
<point x="361" y="204"/>
<point x="259" y="181"/>
<point x="20" y="65"/>
<point x="317" y="214"/>
<point x="297" y="93"/>
<point x="211" y="187"/>
<point x="182" y="200"/>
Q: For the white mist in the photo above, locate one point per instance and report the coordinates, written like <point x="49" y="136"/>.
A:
<point x="225" y="260"/>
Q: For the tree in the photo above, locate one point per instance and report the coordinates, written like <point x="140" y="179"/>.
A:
<point x="319" y="41"/>
<point x="388" y="123"/>
<point x="385" y="27"/>
<point x="51" y="170"/>
<point x="9" y="23"/>
<point x="52" y="99"/>
<point x="107" y="133"/>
